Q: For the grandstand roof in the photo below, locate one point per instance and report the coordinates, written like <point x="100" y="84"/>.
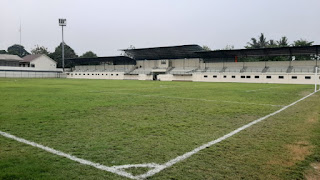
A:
<point x="168" y="52"/>
<point x="283" y="51"/>
<point x="97" y="60"/>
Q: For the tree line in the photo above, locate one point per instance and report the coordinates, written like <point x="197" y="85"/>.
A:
<point x="19" y="50"/>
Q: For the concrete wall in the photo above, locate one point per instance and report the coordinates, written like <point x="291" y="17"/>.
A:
<point x="44" y="62"/>
<point x="280" y="78"/>
<point x="103" y="67"/>
<point x="96" y="75"/>
<point x="28" y="72"/>
<point x="180" y="63"/>
<point x="171" y="77"/>
<point x="253" y="72"/>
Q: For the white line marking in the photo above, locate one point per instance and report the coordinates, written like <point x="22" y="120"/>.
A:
<point x="194" y="99"/>
<point x="188" y="154"/>
<point x="156" y="167"/>
<point x="68" y="156"/>
<point x="149" y="165"/>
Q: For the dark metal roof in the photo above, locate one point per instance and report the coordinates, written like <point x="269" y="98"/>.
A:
<point x="283" y="51"/>
<point x="97" y="60"/>
<point x="31" y="57"/>
<point x="168" y="52"/>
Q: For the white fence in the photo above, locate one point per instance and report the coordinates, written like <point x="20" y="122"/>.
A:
<point x="25" y="72"/>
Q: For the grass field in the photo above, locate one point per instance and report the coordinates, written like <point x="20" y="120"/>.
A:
<point x="134" y="122"/>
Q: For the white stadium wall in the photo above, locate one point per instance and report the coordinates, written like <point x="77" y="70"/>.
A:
<point x="29" y="72"/>
<point x="286" y="72"/>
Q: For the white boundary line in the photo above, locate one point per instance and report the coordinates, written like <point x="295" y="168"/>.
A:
<point x="194" y="99"/>
<point x="156" y="167"/>
<point x="68" y="156"/>
<point x="188" y="154"/>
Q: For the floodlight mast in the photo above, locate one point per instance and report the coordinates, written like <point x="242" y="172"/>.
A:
<point x="62" y="22"/>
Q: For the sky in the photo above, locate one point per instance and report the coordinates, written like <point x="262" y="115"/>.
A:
<point x="106" y="26"/>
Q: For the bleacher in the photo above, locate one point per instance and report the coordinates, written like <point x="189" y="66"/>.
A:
<point x="214" y="67"/>
<point x="181" y="70"/>
<point x="141" y="71"/>
<point x="254" y="66"/>
<point x="303" y="66"/>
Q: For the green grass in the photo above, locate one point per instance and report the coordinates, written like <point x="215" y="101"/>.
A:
<point x="134" y="122"/>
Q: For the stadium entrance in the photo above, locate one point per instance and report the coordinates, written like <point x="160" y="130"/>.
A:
<point x="155" y="75"/>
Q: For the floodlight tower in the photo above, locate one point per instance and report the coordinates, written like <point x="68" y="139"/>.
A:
<point x="62" y="22"/>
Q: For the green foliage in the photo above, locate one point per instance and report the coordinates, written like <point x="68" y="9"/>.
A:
<point x="283" y="42"/>
<point x="68" y="53"/>
<point x="40" y="50"/>
<point x="88" y="54"/>
<point x="3" y="52"/>
<point x="17" y="49"/>
<point x="228" y="47"/>
<point x="260" y="43"/>
<point x="302" y="42"/>
<point x="206" y="48"/>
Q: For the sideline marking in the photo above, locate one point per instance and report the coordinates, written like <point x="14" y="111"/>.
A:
<point x="195" y="99"/>
<point x="156" y="167"/>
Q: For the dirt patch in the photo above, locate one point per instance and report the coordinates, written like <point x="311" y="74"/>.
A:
<point x="296" y="152"/>
<point x="313" y="119"/>
<point x="314" y="172"/>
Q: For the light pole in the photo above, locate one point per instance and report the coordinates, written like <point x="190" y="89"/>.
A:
<point x="62" y="22"/>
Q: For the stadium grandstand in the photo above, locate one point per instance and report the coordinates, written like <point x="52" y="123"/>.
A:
<point x="193" y="63"/>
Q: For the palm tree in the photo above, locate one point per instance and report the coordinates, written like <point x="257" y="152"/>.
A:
<point x="261" y="43"/>
<point x="302" y="42"/>
<point x="283" y="42"/>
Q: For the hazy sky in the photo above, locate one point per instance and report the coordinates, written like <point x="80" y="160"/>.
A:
<point x="105" y="26"/>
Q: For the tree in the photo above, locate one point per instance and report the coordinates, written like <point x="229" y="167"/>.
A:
<point x="272" y="43"/>
<point x="88" y="54"/>
<point x="302" y="42"/>
<point x="17" y="49"/>
<point x="40" y="50"/>
<point x="228" y="47"/>
<point x="68" y="53"/>
<point x="3" y="52"/>
<point x="206" y="48"/>
<point x="261" y="43"/>
<point x="283" y="42"/>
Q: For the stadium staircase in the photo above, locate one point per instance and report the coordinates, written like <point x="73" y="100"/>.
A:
<point x="223" y="69"/>
<point x="290" y="68"/>
<point x="244" y="69"/>
<point x="265" y="69"/>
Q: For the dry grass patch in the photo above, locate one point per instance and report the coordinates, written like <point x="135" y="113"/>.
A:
<point x="314" y="118"/>
<point x="296" y="152"/>
<point x="314" y="172"/>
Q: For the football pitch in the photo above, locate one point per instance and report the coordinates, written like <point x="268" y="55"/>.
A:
<point x="109" y="129"/>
